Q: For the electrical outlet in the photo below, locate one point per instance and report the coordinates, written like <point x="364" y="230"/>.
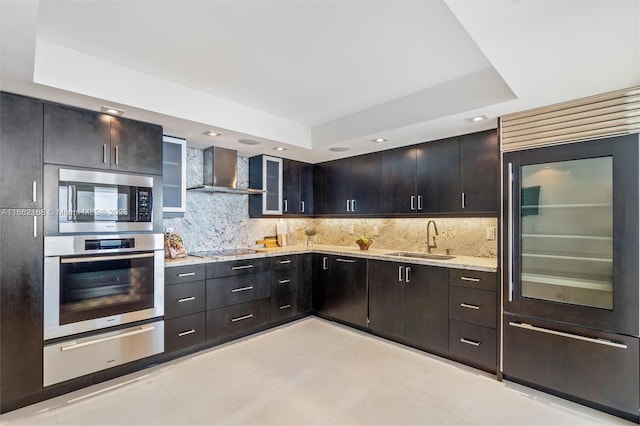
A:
<point x="351" y="230"/>
<point x="168" y="229"/>
<point x="376" y="230"/>
<point x="491" y="233"/>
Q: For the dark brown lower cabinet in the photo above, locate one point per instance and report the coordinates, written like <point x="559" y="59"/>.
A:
<point x="387" y="297"/>
<point x="597" y="367"/>
<point x="235" y="320"/>
<point x="283" y="306"/>
<point x="184" y="332"/>
<point x="473" y="343"/>
<point x="348" y="289"/>
<point x="427" y="308"/>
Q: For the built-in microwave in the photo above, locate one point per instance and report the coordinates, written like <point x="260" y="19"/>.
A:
<point x="94" y="201"/>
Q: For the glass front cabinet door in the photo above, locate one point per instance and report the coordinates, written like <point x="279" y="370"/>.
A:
<point x="572" y="235"/>
<point x="174" y="175"/>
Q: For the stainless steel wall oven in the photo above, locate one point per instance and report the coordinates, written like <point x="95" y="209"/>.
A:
<point x="99" y="281"/>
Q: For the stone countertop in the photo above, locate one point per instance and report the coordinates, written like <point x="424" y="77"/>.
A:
<point x="460" y="262"/>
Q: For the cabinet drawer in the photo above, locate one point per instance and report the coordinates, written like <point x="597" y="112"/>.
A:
<point x="182" y="274"/>
<point x="474" y="279"/>
<point x="67" y="360"/>
<point x="473" y="343"/>
<point x="236" y="267"/>
<point x="283" y="306"/>
<point x="284" y="263"/>
<point x="184" y="332"/>
<point x="231" y="290"/>
<point x="224" y="323"/>
<point x="587" y="364"/>
<point x="283" y="282"/>
<point x="473" y="306"/>
<point x="184" y="299"/>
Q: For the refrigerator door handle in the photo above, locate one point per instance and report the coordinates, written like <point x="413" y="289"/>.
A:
<point x="605" y="342"/>
<point x="510" y="233"/>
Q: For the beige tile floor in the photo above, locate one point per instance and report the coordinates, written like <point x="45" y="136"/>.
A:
<point x="308" y="372"/>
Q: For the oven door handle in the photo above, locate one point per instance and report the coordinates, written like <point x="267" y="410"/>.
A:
<point x="139" y="330"/>
<point x="102" y="258"/>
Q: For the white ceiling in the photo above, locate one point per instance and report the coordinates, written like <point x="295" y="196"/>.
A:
<point x="310" y="75"/>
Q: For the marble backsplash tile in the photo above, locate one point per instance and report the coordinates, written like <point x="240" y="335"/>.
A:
<point x="219" y="220"/>
<point x="462" y="236"/>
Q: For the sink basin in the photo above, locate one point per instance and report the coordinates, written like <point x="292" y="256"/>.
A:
<point x="422" y="255"/>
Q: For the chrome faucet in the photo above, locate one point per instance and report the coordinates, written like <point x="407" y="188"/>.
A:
<point x="435" y="228"/>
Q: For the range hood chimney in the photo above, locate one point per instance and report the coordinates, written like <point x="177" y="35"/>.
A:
<point x="220" y="172"/>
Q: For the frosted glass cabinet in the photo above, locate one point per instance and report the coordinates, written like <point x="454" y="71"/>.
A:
<point x="174" y="174"/>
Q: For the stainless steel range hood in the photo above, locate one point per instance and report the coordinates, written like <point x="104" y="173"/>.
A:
<point x="220" y="172"/>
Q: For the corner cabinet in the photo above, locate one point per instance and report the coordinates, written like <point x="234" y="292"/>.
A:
<point x="174" y="175"/>
<point x="265" y="172"/>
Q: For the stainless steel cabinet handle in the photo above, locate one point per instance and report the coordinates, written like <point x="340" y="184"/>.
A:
<point x="117" y="155"/>
<point x="469" y="342"/>
<point x="475" y="280"/>
<point x="353" y="205"/>
<point x="186" y="299"/>
<point x="348" y="205"/>
<point x="237" y="268"/>
<point x="468" y="306"/>
<point x="510" y="259"/>
<point x="104" y="153"/>
<point x="35" y="226"/>
<point x="285" y="262"/>
<point x="569" y="335"/>
<point x="301" y="206"/>
<point x="407" y="277"/>
<point x="286" y="205"/>
<point x="101" y="258"/>
<point x="186" y="333"/>
<point x="35" y="191"/>
<point x="325" y="263"/>
<point x="400" y="268"/>
<point x="236" y="290"/>
<point x="242" y="318"/>
<point x="413" y="202"/>
<point x="345" y="260"/>
<point x="420" y="202"/>
<point x="187" y="274"/>
<point x="284" y="281"/>
<point x="139" y="330"/>
<point x="285" y="307"/>
<point x="464" y="200"/>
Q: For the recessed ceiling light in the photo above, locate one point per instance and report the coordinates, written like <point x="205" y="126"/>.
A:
<point x="248" y="142"/>
<point x="212" y="133"/>
<point x="379" y="140"/>
<point x="339" y="149"/>
<point x="279" y="148"/>
<point x="111" y="110"/>
<point x="478" y="118"/>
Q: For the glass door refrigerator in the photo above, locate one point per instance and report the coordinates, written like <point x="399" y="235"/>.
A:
<point x="570" y="265"/>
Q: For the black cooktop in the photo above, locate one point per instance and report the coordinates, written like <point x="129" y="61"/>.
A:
<point x="222" y="252"/>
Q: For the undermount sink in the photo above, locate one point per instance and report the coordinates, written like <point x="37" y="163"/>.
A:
<point x="422" y="255"/>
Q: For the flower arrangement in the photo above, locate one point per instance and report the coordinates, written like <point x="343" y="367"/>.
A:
<point x="364" y="242"/>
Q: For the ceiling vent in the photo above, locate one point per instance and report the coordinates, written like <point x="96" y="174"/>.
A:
<point x="609" y="114"/>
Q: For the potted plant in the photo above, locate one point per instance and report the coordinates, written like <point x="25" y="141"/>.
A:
<point x="310" y="233"/>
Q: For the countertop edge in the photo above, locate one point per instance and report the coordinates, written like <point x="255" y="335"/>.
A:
<point x="459" y="262"/>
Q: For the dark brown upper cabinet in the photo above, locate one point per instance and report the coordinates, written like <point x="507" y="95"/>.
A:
<point x="81" y="138"/>
<point x="297" y="188"/>
<point x="349" y="186"/>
